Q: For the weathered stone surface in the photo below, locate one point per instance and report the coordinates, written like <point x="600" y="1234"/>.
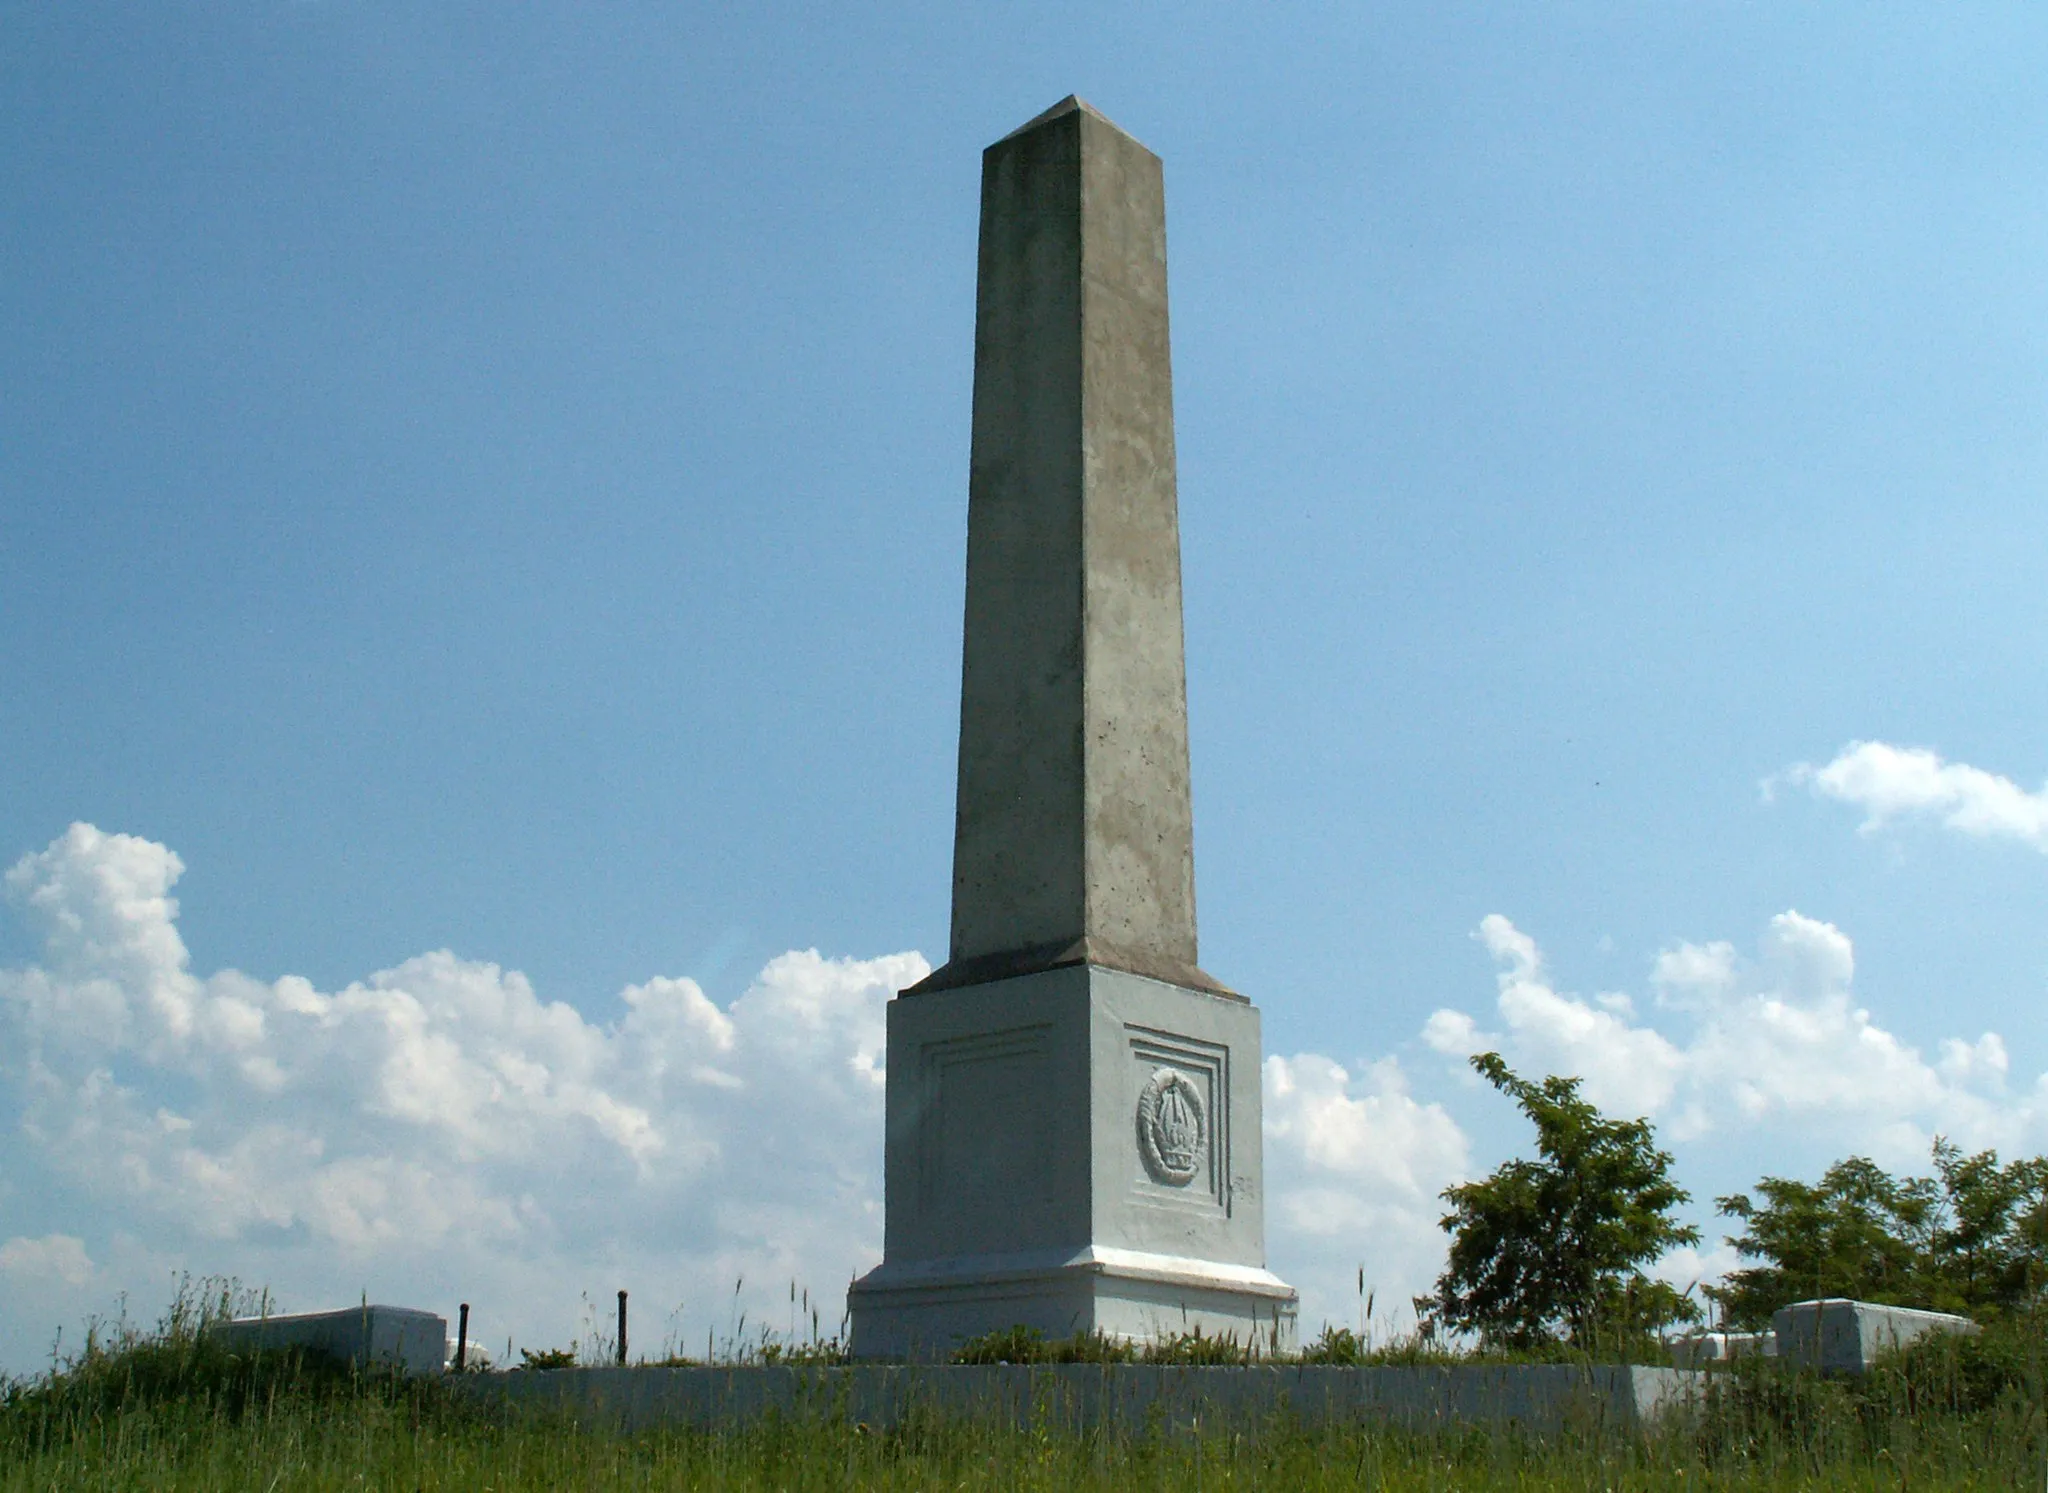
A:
<point x="400" y="1337"/>
<point x="1841" y="1336"/>
<point x="1073" y="834"/>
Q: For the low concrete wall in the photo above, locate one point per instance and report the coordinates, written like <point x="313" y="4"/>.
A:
<point x="400" y="1337"/>
<point x="1536" y="1397"/>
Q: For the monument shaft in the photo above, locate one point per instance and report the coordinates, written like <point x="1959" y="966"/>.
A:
<point x="1073" y="836"/>
<point x="1073" y="1105"/>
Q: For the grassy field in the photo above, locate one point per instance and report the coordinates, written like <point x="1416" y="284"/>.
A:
<point x="169" y="1410"/>
<point x="386" y="1442"/>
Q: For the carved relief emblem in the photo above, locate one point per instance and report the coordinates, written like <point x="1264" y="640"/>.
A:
<point x="1173" y="1131"/>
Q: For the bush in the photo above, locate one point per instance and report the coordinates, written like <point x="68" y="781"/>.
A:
<point x="547" y="1358"/>
<point x="1196" y="1350"/>
<point x="1339" y="1346"/>
<point x="1556" y="1246"/>
<point x="1022" y="1344"/>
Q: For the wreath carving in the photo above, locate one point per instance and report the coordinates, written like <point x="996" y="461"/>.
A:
<point x="1173" y="1127"/>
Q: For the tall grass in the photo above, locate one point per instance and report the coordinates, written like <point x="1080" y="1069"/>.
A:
<point x="373" y="1441"/>
<point x="167" y="1408"/>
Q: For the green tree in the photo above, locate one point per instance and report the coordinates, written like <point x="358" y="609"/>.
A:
<point x="1556" y="1246"/>
<point x="1991" y="1249"/>
<point x="1971" y="1238"/>
<point x="1858" y="1232"/>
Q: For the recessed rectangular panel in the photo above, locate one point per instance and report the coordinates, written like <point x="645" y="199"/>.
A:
<point x="987" y="1141"/>
<point x="1180" y="1119"/>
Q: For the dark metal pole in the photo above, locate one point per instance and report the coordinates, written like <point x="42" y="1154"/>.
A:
<point x="462" y="1338"/>
<point x="622" y="1329"/>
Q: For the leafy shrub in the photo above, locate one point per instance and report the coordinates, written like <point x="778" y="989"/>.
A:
<point x="1338" y="1345"/>
<point x="1195" y="1349"/>
<point x="547" y="1358"/>
<point x="1022" y="1344"/>
<point x="826" y="1353"/>
<point x="1200" y="1351"/>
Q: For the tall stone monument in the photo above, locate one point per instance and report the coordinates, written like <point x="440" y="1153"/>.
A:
<point x="1073" y="1105"/>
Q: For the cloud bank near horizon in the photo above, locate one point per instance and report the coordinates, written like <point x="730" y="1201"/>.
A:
<point x="438" y="1131"/>
<point x="1748" y="1043"/>
<point x="435" y="1129"/>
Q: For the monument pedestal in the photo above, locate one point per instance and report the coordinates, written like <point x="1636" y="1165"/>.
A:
<point x="1074" y="1150"/>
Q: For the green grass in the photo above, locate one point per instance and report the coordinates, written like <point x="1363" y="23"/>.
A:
<point x="380" y="1440"/>
<point x="169" y="1409"/>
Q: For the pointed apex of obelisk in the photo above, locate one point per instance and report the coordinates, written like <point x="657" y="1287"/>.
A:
<point x="1073" y="103"/>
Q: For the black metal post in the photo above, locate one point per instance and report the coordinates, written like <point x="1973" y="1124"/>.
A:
<point x="622" y="1329"/>
<point x="462" y="1338"/>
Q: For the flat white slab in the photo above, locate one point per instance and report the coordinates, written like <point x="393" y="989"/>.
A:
<point x="1842" y="1336"/>
<point x="1700" y="1348"/>
<point x="400" y="1337"/>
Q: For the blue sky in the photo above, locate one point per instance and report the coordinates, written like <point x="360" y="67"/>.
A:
<point x="492" y="479"/>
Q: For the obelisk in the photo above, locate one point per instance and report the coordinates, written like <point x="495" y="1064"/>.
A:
<point x="1073" y="1134"/>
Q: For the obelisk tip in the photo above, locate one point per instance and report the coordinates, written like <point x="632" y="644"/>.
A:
<point x="1073" y="103"/>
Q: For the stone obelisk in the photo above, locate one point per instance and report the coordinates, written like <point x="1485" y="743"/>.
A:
<point x="1073" y="1105"/>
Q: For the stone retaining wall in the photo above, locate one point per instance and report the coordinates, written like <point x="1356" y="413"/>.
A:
<point x="1540" y="1397"/>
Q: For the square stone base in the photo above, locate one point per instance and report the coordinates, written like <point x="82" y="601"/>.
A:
<point x="1075" y="1149"/>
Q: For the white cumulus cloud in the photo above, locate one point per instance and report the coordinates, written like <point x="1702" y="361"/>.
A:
<point x="1626" y="1066"/>
<point x="1777" y="1039"/>
<point x="1890" y="783"/>
<point x="54" y="1257"/>
<point x="1354" y="1168"/>
<point x="437" y="1127"/>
